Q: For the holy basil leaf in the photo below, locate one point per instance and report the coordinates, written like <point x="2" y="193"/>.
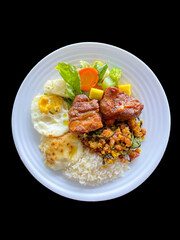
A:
<point x="136" y="143"/>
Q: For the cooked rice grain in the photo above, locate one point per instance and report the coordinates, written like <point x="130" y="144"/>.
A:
<point x="89" y="170"/>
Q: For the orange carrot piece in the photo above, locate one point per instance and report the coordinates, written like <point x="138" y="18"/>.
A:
<point x="89" y="78"/>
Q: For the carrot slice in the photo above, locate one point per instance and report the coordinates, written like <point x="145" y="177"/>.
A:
<point x="89" y="78"/>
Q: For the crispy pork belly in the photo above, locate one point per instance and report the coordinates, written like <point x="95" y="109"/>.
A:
<point x="84" y="115"/>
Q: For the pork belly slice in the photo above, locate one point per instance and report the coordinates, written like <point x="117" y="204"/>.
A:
<point x="117" y="105"/>
<point x="84" y="115"/>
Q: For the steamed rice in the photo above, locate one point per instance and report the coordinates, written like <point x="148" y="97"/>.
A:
<point x="89" y="170"/>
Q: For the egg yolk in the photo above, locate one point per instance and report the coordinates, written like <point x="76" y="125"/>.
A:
<point x="50" y="104"/>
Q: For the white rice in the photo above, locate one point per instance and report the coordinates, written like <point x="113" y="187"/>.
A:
<point x="89" y="170"/>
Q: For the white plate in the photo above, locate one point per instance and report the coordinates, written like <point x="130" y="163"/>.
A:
<point x="145" y="86"/>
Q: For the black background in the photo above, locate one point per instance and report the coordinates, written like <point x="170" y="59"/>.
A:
<point x="149" y="36"/>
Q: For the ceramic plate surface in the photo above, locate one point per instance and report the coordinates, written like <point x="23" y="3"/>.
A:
<point x="145" y="86"/>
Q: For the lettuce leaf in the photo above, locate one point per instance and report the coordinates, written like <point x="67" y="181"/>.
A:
<point x="113" y="79"/>
<point x="115" y="75"/>
<point x="108" y="82"/>
<point x="70" y="75"/>
<point x="101" y="71"/>
<point x="70" y="91"/>
<point x="84" y="64"/>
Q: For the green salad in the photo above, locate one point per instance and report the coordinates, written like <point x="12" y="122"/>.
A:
<point x="86" y="76"/>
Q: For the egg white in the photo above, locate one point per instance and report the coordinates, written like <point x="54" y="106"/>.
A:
<point x="49" y="125"/>
<point x="61" y="151"/>
<point x="57" y="87"/>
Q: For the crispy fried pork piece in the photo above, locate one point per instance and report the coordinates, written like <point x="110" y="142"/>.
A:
<point x="84" y="115"/>
<point x="117" y="105"/>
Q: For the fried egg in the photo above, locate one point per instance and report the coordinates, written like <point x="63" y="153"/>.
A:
<point x="49" y="115"/>
<point x="61" y="151"/>
<point x="56" y="86"/>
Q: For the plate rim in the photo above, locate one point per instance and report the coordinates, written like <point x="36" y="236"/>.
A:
<point x="53" y="188"/>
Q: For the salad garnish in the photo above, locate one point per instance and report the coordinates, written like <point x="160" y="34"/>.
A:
<point x="87" y="77"/>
